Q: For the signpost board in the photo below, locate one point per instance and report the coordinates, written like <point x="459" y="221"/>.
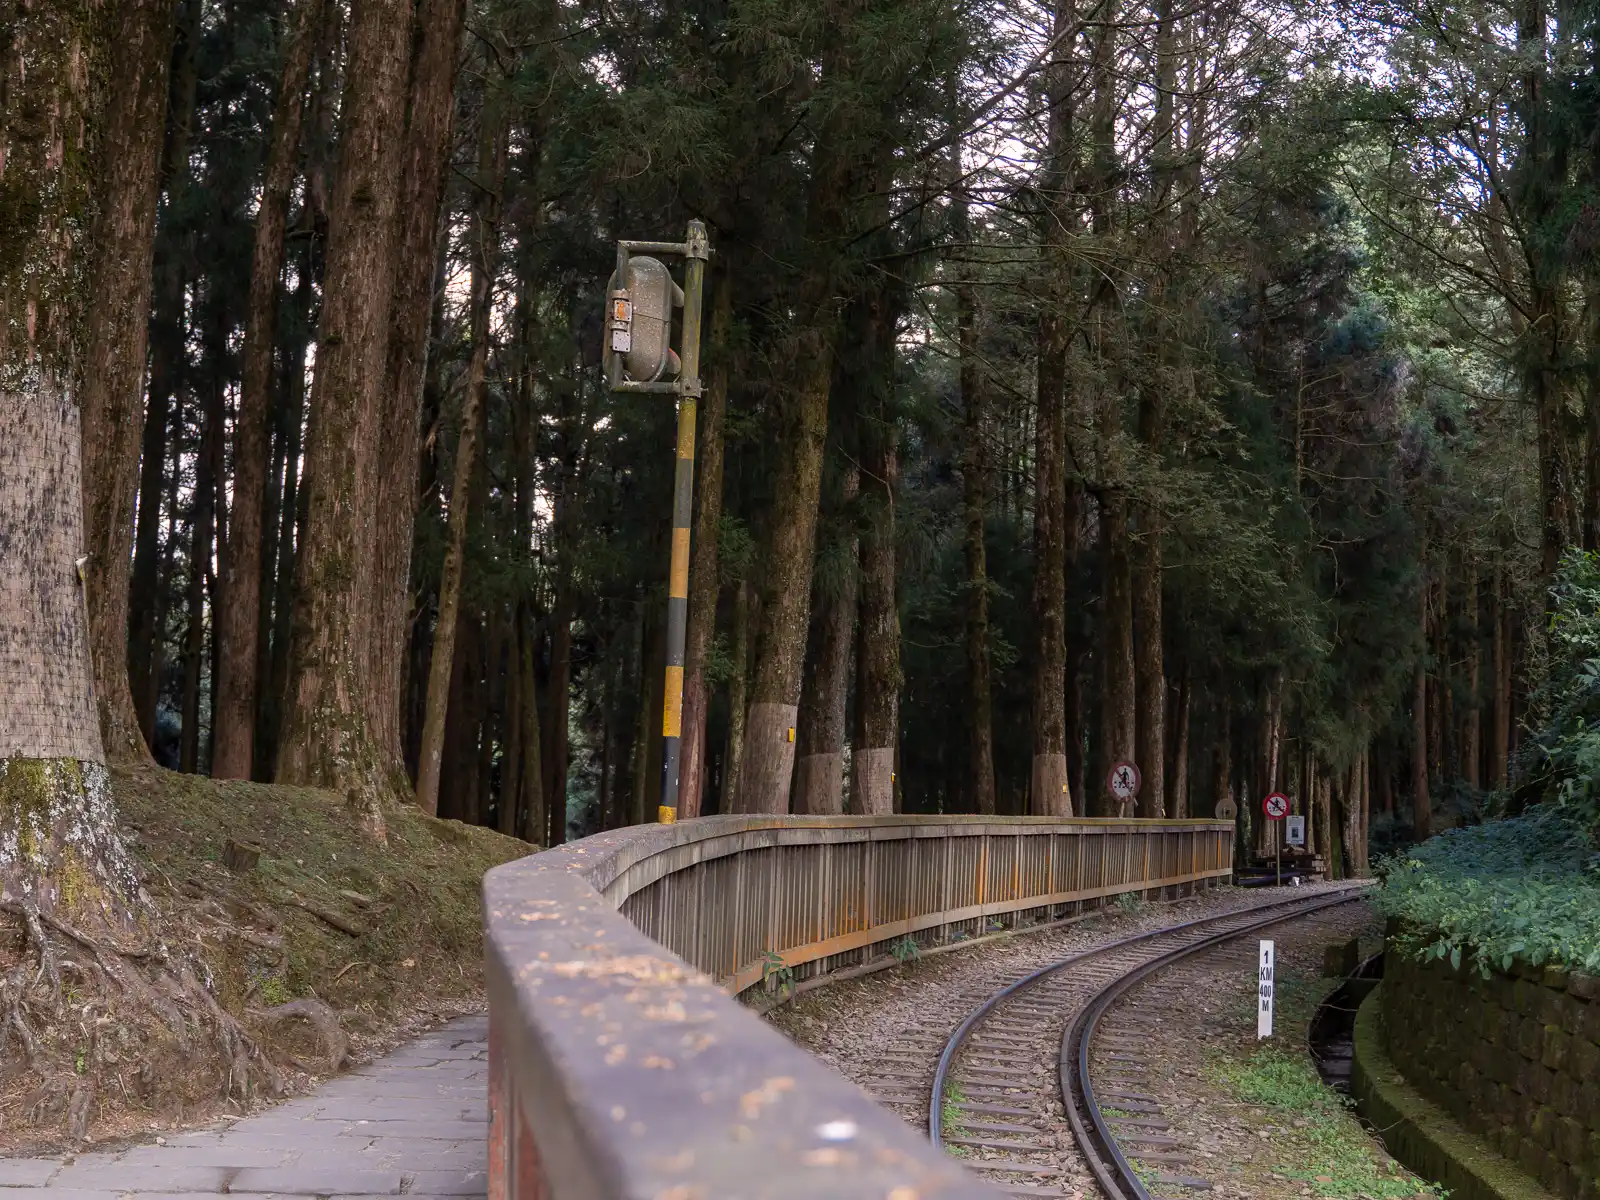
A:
<point x="1294" y="831"/>
<point x="1276" y="806"/>
<point x="1226" y="809"/>
<point x="1264" y="990"/>
<point x="1123" y="781"/>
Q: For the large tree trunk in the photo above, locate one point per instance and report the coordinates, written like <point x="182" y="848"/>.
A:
<point x="705" y="583"/>
<point x="1178" y="776"/>
<point x="167" y="356"/>
<point x="435" y="53"/>
<point x="1150" y="684"/>
<point x="870" y="362"/>
<point x="768" y="755"/>
<point x="531" y="801"/>
<point x="1118" y="696"/>
<point x="485" y="262"/>
<point x="57" y="823"/>
<point x="820" y="736"/>
<point x="557" y="716"/>
<point x="1049" y="792"/>
<point x="328" y="740"/>
<point x="979" y="706"/>
<point x="1472" y="716"/>
<point x="1500" y="727"/>
<point x="1222" y="756"/>
<point x="738" y="690"/>
<point x="144" y="646"/>
<point x="1421" y="807"/>
<point x="238" y="617"/>
<point x="767" y="765"/>
<point x="120" y="248"/>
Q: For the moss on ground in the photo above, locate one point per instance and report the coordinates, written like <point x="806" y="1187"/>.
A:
<point x="388" y="935"/>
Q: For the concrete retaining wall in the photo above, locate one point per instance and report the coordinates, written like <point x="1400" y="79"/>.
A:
<point x="1515" y="1058"/>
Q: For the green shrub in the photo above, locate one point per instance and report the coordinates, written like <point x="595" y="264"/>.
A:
<point x="1526" y="888"/>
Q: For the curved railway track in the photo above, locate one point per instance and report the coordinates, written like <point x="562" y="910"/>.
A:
<point x="1014" y="1077"/>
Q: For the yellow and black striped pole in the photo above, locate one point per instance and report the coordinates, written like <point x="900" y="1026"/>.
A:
<point x="696" y="250"/>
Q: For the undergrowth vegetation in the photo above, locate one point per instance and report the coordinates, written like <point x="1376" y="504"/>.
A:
<point x="1326" y="1149"/>
<point x="1526" y="888"/>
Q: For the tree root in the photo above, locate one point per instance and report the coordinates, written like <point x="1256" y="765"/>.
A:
<point x="321" y="1018"/>
<point x="130" y="1015"/>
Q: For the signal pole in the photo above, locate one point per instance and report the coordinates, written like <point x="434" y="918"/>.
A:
<point x="638" y="356"/>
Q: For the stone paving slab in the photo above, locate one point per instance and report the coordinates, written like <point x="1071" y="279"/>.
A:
<point x="413" y="1124"/>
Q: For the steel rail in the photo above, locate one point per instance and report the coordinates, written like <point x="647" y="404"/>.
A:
<point x="1276" y="912"/>
<point x="1077" y="1088"/>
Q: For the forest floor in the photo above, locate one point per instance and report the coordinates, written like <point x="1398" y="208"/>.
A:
<point x="387" y="936"/>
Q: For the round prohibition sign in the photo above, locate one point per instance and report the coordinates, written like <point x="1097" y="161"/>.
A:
<point x="1276" y="806"/>
<point x="1123" y="780"/>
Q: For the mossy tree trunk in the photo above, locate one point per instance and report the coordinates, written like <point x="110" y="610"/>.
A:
<point x="328" y="739"/>
<point x="435" y="58"/>
<point x="819" y="762"/>
<point x="59" y="848"/>
<point x="110" y="390"/>
<point x="878" y="672"/>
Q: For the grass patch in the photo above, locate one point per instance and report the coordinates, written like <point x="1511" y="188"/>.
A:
<point x="950" y="1110"/>
<point x="1325" y="1146"/>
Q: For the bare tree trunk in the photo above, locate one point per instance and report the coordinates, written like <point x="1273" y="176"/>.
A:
<point x="1149" y="674"/>
<point x="238" y="617"/>
<point x="144" y="654"/>
<point x="531" y="803"/>
<point x="327" y="739"/>
<point x="705" y="582"/>
<point x="1050" y="794"/>
<point x="974" y="481"/>
<point x="1472" y="717"/>
<point x="1118" y="693"/>
<point x="738" y="682"/>
<point x="485" y="263"/>
<point x="116" y="328"/>
<point x="1500" y="730"/>
<point x="819" y="754"/>
<point x="1322" y="829"/>
<point x="878" y="675"/>
<point x="768" y="755"/>
<point x="767" y="758"/>
<point x="1421" y="807"/>
<point x="57" y="822"/>
<point x="1178" y="776"/>
<point x="556" y="710"/>
<point x="1222" y="755"/>
<point x="435" y="53"/>
<point x="167" y="358"/>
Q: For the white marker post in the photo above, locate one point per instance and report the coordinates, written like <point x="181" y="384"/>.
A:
<point x="1264" y="989"/>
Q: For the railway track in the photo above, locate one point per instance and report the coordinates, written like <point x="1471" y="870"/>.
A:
<point x="1011" y="1090"/>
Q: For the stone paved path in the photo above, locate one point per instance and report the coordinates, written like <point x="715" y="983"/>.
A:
<point x="411" y="1124"/>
